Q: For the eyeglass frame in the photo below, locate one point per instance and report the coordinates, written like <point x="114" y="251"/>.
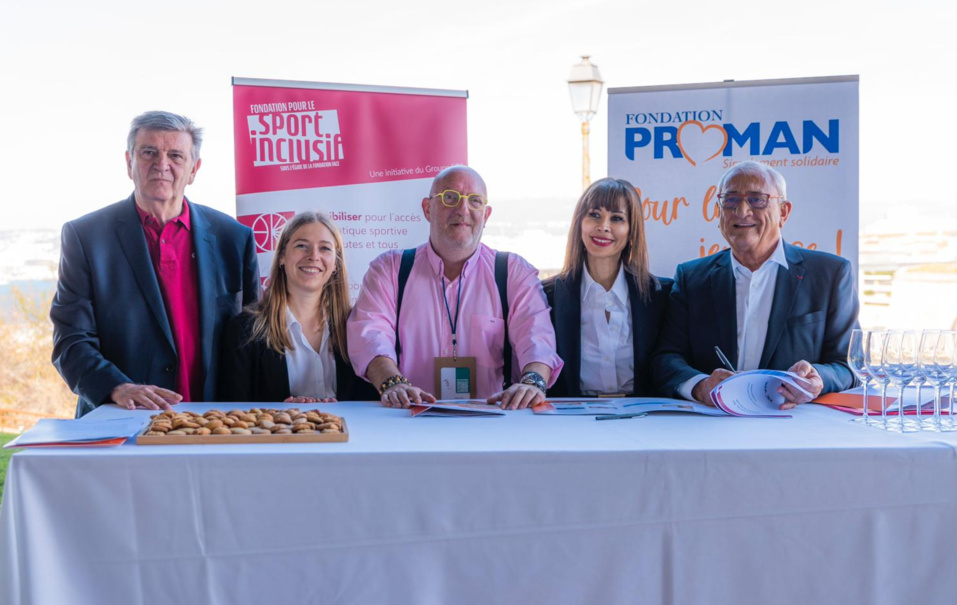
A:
<point x="745" y="196"/>
<point x="462" y="196"/>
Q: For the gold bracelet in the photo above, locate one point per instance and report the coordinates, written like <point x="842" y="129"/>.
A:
<point x="391" y="381"/>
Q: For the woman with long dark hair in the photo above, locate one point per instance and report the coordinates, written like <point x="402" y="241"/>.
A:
<point x="291" y="345"/>
<point x="607" y="307"/>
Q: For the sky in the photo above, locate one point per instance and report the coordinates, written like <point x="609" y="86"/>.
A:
<point x="74" y="74"/>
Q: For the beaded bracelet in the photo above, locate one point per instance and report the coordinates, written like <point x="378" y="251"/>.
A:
<point x="391" y="381"/>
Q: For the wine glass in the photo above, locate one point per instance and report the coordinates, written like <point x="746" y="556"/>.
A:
<point x="855" y="361"/>
<point x="946" y="360"/>
<point x="873" y="361"/>
<point x="900" y="362"/>
<point x="919" y="381"/>
<point x="934" y="364"/>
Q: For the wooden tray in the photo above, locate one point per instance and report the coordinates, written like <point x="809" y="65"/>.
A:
<point x="142" y="439"/>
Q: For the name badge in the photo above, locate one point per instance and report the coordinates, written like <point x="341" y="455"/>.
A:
<point x="455" y="377"/>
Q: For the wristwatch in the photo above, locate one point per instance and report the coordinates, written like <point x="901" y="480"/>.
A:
<point x="534" y="379"/>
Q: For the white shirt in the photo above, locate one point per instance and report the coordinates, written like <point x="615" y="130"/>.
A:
<point x="753" y="297"/>
<point x="754" y="293"/>
<point x="607" y="352"/>
<point x="311" y="374"/>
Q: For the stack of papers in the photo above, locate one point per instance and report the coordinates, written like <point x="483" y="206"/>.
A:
<point x="79" y="433"/>
<point x="755" y="393"/>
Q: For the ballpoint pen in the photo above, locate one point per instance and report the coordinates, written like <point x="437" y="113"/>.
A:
<point x="724" y="359"/>
<point x="621" y="416"/>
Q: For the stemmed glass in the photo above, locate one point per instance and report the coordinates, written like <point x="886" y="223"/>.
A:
<point x="874" y="363"/>
<point x="946" y="360"/>
<point x="934" y="365"/>
<point x="900" y="362"/>
<point x="919" y="381"/>
<point x="855" y="361"/>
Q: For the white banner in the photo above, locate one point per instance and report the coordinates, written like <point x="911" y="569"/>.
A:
<point x="674" y="142"/>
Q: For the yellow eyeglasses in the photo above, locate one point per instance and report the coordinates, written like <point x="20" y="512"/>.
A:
<point x="451" y="198"/>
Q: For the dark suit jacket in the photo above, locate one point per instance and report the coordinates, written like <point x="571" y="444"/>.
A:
<point x="251" y="371"/>
<point x="564" y="298"/>
<point x="109" y="318"/>
<point x="814" y="310"/>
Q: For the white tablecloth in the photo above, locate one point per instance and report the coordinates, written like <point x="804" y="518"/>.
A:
<point x="520" y="509"/>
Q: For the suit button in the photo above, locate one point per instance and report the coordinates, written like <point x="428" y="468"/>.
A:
<point x="168" y="369"/>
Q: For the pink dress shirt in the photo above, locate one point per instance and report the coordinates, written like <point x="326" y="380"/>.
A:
<point x="426" y="332"/>
<point x="171" y="250"/>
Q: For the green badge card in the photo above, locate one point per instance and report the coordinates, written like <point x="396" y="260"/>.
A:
<point x="455" y="377"/>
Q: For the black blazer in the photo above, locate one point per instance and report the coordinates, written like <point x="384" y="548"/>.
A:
<point x="251" y="371"/>
<point x="564" y="298"/>
<point x="109" y="319"/>
<point x="813" y="312"/>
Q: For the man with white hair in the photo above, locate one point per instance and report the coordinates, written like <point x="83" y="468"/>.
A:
<point x="146" y="284"/>
<point x="765" y="303"/>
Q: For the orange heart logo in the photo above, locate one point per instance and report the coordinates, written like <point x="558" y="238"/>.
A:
<point x="699" y="142"/>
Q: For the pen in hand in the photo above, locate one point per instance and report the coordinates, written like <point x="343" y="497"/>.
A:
<point x="724" y="359"/>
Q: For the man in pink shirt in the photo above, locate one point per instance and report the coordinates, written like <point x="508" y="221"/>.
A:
<point x="450" y="326"/>
<point x="146" y="284"/>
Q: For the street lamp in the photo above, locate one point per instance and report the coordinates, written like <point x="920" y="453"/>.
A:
<point x="584" y="85"/>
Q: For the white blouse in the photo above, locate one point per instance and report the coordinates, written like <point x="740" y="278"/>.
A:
<point x="311" y="373"/>
<point x="607" y="352"/>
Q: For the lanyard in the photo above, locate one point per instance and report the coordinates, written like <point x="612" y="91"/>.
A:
<point x="458" y="303"/>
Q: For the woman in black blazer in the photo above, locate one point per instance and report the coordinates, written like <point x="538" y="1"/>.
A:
<point x="608" y="256"/>
<point x="291" y="345"/>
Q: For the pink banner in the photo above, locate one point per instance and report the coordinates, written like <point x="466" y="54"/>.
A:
<point x="365" y="156"/>
<point x="299" y="138"/>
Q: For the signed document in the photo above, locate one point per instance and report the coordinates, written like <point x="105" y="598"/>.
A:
<point x="755" y="393"/>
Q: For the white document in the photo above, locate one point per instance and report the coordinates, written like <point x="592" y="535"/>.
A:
<point x="755" y="393"/>
<point x="456" y="407"/>
<point x="910" y="399"/>
<point x="49" y="431"/>
<point x="595" y="406"/>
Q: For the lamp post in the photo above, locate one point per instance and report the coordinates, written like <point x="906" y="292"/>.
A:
<point x="584" y="85"/>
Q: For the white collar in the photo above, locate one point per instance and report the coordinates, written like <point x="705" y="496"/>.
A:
<point x="292" y="321"/>
<point x="619" y="288"/>
<point x="294" y="327"/>
<point x="776" y="257"/>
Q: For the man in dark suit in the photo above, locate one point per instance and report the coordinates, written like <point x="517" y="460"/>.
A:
<point x="146" y="284"/>
<point x="765" y="303"/>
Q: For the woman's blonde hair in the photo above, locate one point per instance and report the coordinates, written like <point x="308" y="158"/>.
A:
<point x="612" y="195"/>
<point x="270" y="311"/>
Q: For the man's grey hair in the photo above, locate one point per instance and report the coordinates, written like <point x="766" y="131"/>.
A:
<point x="754" y="169"/>
<point x="169" y="122"/>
